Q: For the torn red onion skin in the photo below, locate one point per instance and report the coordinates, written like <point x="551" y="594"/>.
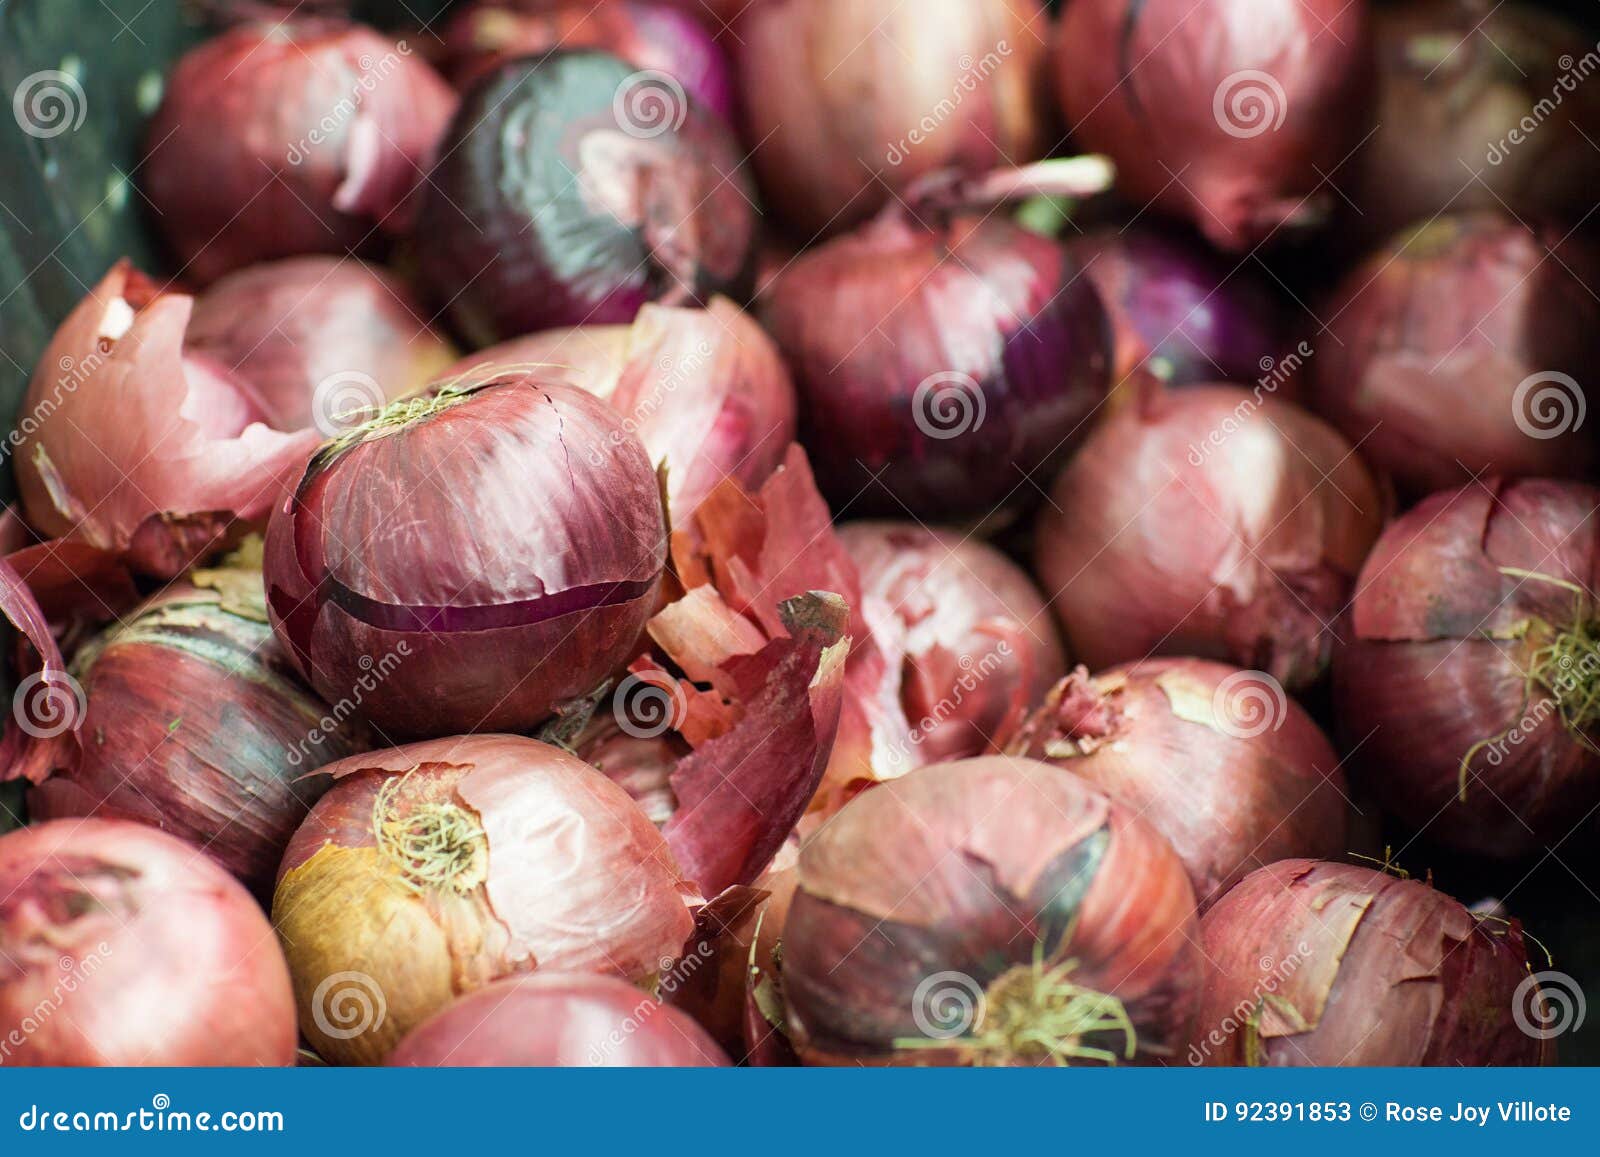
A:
<point x="1228" y="114"/>
<point x="151" y="454"/>
<point x="1218" y="760"/>
<point x="324" y="341"/>
<point x="148" y="953"/>
<point x="559" y="1020"/>
<point x="1475" y="316"/>
<point x="1009" y="881"/>
<point x="572" y="189"/>
<point x="410" y="544"/>
<point x="46" y="708"/>
<point x="868" y="72"/>
<point x="439" y="867"/>
<point x="1213" y="521"/>
<point x="1310" y="972"/>
<point x="239" y="174"/>
<point x="1465" y="689"/>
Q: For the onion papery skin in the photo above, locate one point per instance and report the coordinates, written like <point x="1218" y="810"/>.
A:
<point x="571" y="190"/>
<point x="558" y="1020"/>
<point x="937" y="366"/>
<point x="1225" y="112"/>
<point x="890" y="93"/>
<point x="649" y="36"/>
<point x="319" y="338"/>
<point x="1445" y="659"/>
<point x="1219" y="761"/>
<point x="125" y="946"/>
<point x="1477" y="317"/>
<point x="44" y="696"/>
<point x="1212" y="521"/>
<point x="289" y="136"/>
<point x="482" y="543"/>
<point x="705" y="390"/>
<point x="431" y="870"/>
<point x="1177" y="311"/>
<point x="149" y="454"/>
<point x="196" y="723"/>
<point x="959" y="876"/>
<point x="1458" y="82"/>
<point x="1334" y="964"/>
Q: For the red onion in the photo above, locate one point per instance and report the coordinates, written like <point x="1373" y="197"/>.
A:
<point x="323" y="340"/>
<point x="705" y="390"/>
<point x="850" y="101"/>
<point x="287" y="136"/>
<point x="1220" y="761"/>
<point x="1478" y="106"/>
<point x="428" y="871"/>
<point x="572" y="189"/>
<point x="989" y="911"/>
<point x="650" y="36"/>
<point x="562" y="1020"/>
<point x="1467" y="687"/>
<point x="939" y="365"/>
<point x="136" y="448"/>
<point x="1230" y="113"/>
<point x="123" y="946"/>
<point x="1332" y="964"/>
<point x="1212" y="521"/>
<point x="1476" y="317"/>
<point x="421" y="527"/>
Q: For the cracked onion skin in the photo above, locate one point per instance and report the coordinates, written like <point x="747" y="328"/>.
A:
<point x="477" y="528"/>
<point x="1230" y="770"/>
<point x="436" y="868"/>
<point x="1213" y="521"/>
<point x="139" y="948"/>
<point x="570" y="192"/>
<point x="1469" y="640"/>
<point x="966" y="874"/>
<point x="1333" y="964"/>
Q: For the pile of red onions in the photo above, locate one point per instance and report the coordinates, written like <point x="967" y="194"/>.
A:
<point x="430" y="870"/>
<point x="324" y="341"/>
<point x="1230" y="113"/>
<point x="1469" y="687"/>
<point x="1331" y="964"/>
<point x="290" y="136"/>
<point x="1213" y="521"/>
<point x="559" y="1019"/>
<point x="124" y="946"/>
<point x="1220" y="761"/>
<point x="1477" y="317"/>
<point x="509" y="533"/>
<point x="572" y="189"/>
<point x="1022" y="918"/>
